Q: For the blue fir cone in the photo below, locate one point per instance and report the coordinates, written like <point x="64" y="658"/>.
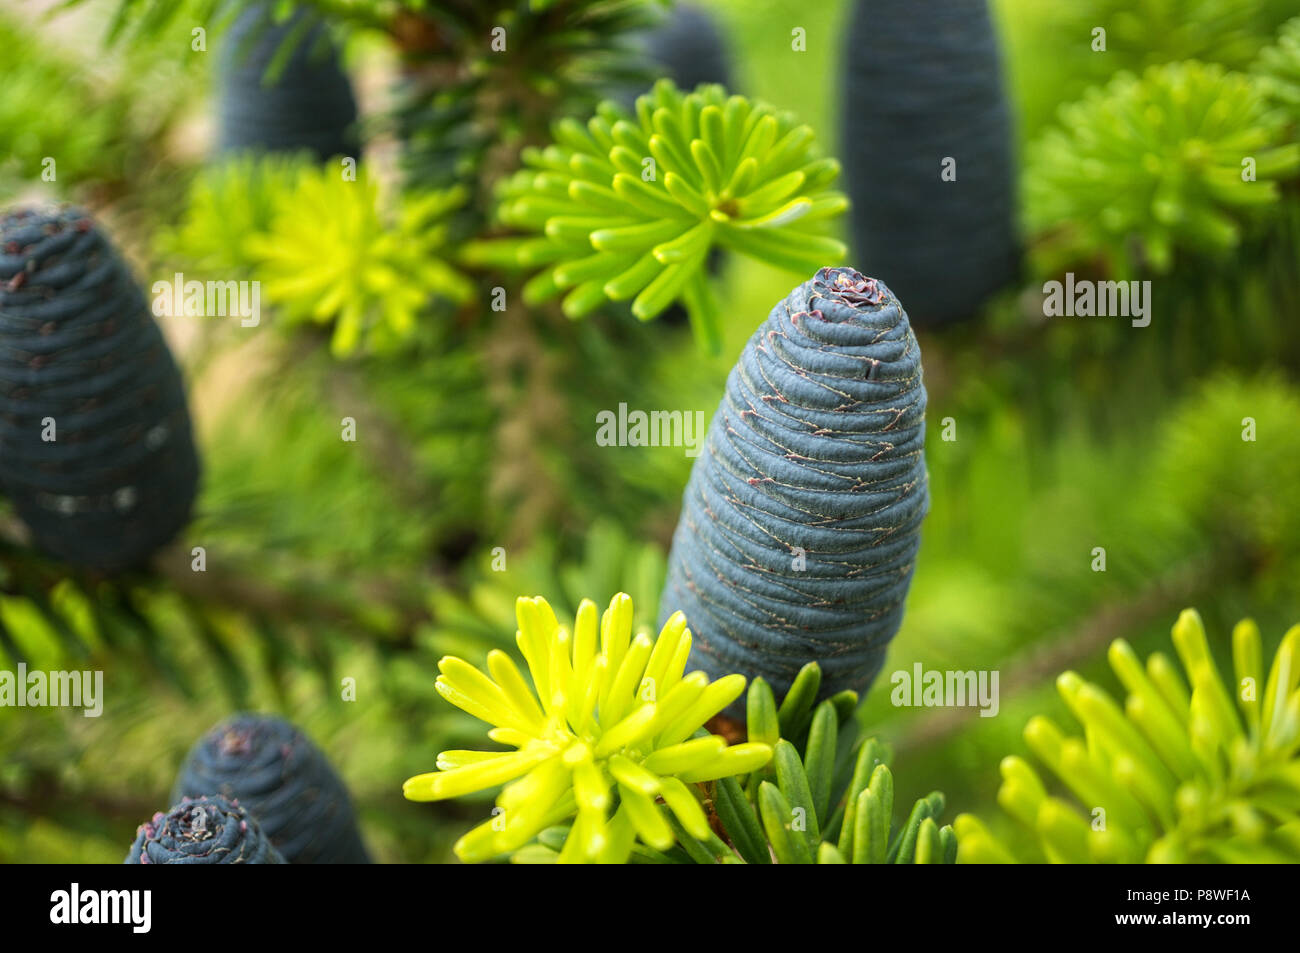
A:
<point x="206" y="830"/>
<point x="308" y="106"/>
<point x="922" y="84"/>
<point x="801" y="520"/>
<point x="96" y="448"/>
<point x="284" y="780"/>
<point x="686" y="46"/>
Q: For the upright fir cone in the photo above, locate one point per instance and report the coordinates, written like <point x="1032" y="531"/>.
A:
<point x="206" y="830"/>
<point x="927" y="148"/>
<point x="308" y="106"/>
<point x="284" y="780"/>
<point x="96" y="449"/>
<point x="800" y="523"/>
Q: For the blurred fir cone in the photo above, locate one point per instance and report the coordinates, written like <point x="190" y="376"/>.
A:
<point x="923" y="85"/>
<point x="284" y="780"/>
<point x="688" y="47"/>
<point x="1278" y="67"/>
<point x="612" y="727"/>
<point x="471" y="97"/>
<point x="282" y="88"/>
<point x="800" y="523"/>
<point x="825" y="797"/>
<point x="96" y="449"/>
<point x="206" y="830"/>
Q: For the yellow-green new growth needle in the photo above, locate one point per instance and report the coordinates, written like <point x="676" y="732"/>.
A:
<point x="603" y="736"/>
<point x="803" y="818"/>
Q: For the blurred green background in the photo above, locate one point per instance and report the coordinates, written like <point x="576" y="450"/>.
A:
<point x="333" y="560"/>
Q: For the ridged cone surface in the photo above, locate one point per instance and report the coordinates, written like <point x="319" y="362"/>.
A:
<point x="284" y="780"/>
<point x="800" y="523"/>
<point x="210" y="830"/>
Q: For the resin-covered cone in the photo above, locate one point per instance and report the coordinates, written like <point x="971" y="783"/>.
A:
<point x="284" y="780"/>
<point x="922" y="86"/>
<point x="96" y="449"/>
<point x="309" y="105"/>
<point x="206" y="830"/>
<point x="800" y="523"/>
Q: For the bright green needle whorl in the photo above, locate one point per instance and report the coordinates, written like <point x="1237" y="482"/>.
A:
<point x="286" y="781"/>
<point x="928" y="154"/>
<point x="1147" y="169"/>
<point x="628" y="207"/>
